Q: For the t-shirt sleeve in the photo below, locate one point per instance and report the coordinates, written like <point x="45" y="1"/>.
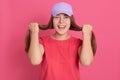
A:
<point x="41" y="41"/>
<point x="80" y="41"/>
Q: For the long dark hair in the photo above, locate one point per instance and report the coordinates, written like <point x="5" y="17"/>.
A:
<point x="73" y="26"/>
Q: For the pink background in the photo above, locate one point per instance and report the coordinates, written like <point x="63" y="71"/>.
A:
<point x="15" y="15"/>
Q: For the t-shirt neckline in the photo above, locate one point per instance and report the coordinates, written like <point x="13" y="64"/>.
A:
<point x="60" y="40"/>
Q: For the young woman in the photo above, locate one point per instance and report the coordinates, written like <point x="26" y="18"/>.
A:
<point x="60" y="53"/>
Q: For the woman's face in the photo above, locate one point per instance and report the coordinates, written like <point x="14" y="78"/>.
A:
<point x="61" y="23"/>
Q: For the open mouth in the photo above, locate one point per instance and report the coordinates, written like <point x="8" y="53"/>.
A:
<point x="61" y="27"/>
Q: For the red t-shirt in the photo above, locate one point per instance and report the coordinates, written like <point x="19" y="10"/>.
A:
<point x="60" y="60"/>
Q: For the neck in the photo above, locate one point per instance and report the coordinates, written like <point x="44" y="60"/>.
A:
<point x="61" y="37"/>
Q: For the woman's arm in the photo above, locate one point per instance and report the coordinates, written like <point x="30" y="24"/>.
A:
<point x="36" y="50"/>
<point x="85" y="51"/>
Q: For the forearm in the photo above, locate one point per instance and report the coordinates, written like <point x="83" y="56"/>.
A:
<point x="86" y="56"/>
<point x="34" y="53"/>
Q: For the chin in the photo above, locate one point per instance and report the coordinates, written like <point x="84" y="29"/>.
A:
<point x="62" y="33"/>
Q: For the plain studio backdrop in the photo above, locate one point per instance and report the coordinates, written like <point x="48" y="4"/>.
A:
<point x="15" y="15"/>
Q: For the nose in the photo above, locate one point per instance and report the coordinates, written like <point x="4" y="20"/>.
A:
<point x="61" y="20"/>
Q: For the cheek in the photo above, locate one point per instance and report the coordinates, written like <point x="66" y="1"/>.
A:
<point x="68" y="23"/>
<point x="54" y="24"/>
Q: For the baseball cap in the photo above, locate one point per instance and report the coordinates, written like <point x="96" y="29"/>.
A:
<point x="62" y="7"/>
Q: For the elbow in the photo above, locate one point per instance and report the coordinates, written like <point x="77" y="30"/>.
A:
<point x="86" y="62"/>
<point x="34" y="58"/>
<point x="35" y="62"/>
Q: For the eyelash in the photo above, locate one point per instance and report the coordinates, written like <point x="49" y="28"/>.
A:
<point x="66" y="16"/>
<point x="56" y="17"/>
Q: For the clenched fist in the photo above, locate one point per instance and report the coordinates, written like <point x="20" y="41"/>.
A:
<point x="87" y="29"/>
<point x="34" y="28"/>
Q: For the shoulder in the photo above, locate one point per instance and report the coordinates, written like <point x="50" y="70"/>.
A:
<point x="44" y="37"/>
<point x="75" y="40"/>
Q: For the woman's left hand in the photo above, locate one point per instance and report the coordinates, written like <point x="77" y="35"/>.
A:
<point x="87" y="29"/>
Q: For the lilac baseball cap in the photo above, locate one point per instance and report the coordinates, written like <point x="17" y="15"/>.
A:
<point x="62" y="7"/>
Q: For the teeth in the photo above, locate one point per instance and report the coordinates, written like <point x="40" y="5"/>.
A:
<point x="61" y="26"/>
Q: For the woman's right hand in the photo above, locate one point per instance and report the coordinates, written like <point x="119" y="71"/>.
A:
<point x="36" y="49"/>
<point x="34" y="28"/>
